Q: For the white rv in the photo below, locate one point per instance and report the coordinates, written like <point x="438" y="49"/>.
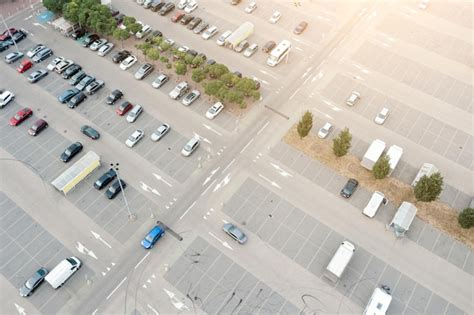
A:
<point x="339" y="261"/>
<point x="378" y="303"/>
<point x="374" y="204"/>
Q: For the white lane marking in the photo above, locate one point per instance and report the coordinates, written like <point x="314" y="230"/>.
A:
<point x="158" y="177"/>
<point x="97" y="236"/>
<point x="175" y="301"/>
<point x="82" y="249"/>
<point x="246" y="146"/>
<point x="295" y="92"/>
<point x="269" y="74"/>
<point x="202" y="138"/>
<point x="323" y="113"/>
<point x="281" y="171"/>
<point x="139" y="263"/>
<point x="154" y="311"/>
<point x="264" y="126"/>
<point x="40" y="25"/>
<point x="210" y="176"/>
<point x="223" y="182"/>
<point x="28" y="17"/>
<point x="211" y="129"/>
<point x="270" y="181"/>
<point x="116" y="288"/>
<point x="224" y="243"/>
<point x="205" y="191"/>
<point x="148" y="188"/>
<point x="228" y="165"/>
<point x="298" y="48"/>
<point x="95" y="311"/>
<point x="20" y="309"/>
<point x="186" y="212"/>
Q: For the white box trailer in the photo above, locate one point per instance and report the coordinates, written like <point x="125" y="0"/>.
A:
<point x="378" y="303"/>
<point x="426" y="169"/>
<point x="374" y="204"/>
<point x="403" y="218"/>
<point x="395" y="154"/>
<point x="339" y="261"/>
<point x="240" y="34"/>
<point x="373" y="154"/>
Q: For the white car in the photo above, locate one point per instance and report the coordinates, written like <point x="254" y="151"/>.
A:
<point x="52" y="65"/>
<point x="97" y="44"/>
<point x="211" y="31"/>
<point x="160" y="81"/>
<point x="190" y="147"/>
<point x="191" y="97"/>
<point x="275" y="17"/>
<point x="214" y="110"/>
<point x="382" y="116"/>
<point x="63" y="65"/>
<point x="251" y="7"/>
<point x="353" y="99"/>
<point x="160" y="132"/>
<point x="33" y="51"/>
<point x="134" y="138"/>
<point x="5" y="98"/>
<point x="191" y="6"/>
<point x="145" y="30"/>
<point x="179" y="90"/>
<point x="252" y="49"/>
<point x="221" y="40"/>
<point x="423" y="4"/>
<point x="128" y="62"/>
<point x="105" y="49"/>
<point x="325" y="130"/>
<point x="182" y="4"/>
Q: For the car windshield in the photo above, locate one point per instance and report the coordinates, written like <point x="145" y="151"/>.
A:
<point x="236" y="232"/>
<point x="30" y="283"/>
<point x="187" y="147"/>
<point x="17" y="117"/>
<point x="161" y="129"/>
<point x="149" y="238"/>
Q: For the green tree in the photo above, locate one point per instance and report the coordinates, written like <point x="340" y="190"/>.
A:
<point x="246" y="86"/>
<point x="217" y="70"/>
<point x="121" y="35"/>
<point x="466" y="218"/>
<point x="71" y="11"/>
<point x="180" y="68"/>
<point x="169" y="66"/>
<point x="234" y="97"/>
<point x="164" y="46"/>
<point x="153" y="53"/>
<point x="222" y="93"/>
<point x="213" y="87"/>
<point x="157" y="40"/>
<point x="381" y="167"/>
<point x="55" y="5"/>
<point x="143" y="46"/>
<point x="129" y="20"/>
<point x="256" y="95"/>
<point x="342" y="143"/>
<point x="188" y="59"/>
<point x="198" y="75"/>
<point x="429" y="188"/>
<point x="197" y="61"/>
<point x="163" y="59"/>
<point x="305" y="124"/>
<point x="229" y="79"/>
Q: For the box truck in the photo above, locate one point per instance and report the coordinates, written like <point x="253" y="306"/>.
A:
<point x="373" y="154"/>
<point x="339" y="261"/>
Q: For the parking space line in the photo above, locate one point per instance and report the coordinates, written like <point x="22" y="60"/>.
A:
<point x="186" y="212"/>
<point x="116" y="288"/>
<point x="141" y="260"/>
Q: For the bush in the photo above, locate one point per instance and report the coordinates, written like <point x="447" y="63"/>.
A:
<point x="381" y="167"/>
<point x="169" y="66"/>
<point x="163" y="59"/>
<point x="342" y="143"/>
<point x="466" y="218"/>
<point x="217" y="70"/>
<point x="180" y="68"/>
<point x="198" y="75"/>
<point x="429" y="188"/>
<point x="305" y="124"/>
<point x="213" y="87"/>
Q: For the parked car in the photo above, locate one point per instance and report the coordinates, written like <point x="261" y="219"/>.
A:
<point x="177" y="17"/>
<point x="128" y="62"/>
<point x="201" y="27"/>
<point x="144" y="31"/>
<point x="275" y="17"/>
<point x="65" y="96"/>
<point x="78" y="33"/>
<point x="182" y="4"/>
<point x="33" y="282"/>
<point x="221" y="40"/>
<point x="97" y="44"/>
<point x="90" y="132"/>
<point x="186" y="19"/>
<point x="210" y="62"/>
<point x="180" y="89"/>
<point x="211" y="31"/>
<point x="37" y="75"/>
<point x="234" y="232"/>
<point x="144" y="71"/>
<point x="72" y="70"/>
<point x="115" y="188"/>
<point x="34" y="50"/>
<point x="13" y="56"/>
<point x="300" y="27"/>
<point x="325" y="130"/>
<point x="21" y="116"/>
<point x="251" y="7"/>
<point x="349" y="188"/>
<point x="88" y="79"/>
<point x="5" y="98"/>
<point x="123" y="108"/>
<point x="157" y="5"/>
<point x="5" y="45"/>
<point x="76" y="100"/>
<point x="191" y="6"/>
<point x="160" y="132"/>
<point x="63" y="65"/>
<point x="153" y="35"/>
<point x="160" y="80"/>
<point x="134" y="138"/>
<point x="120" y="56"/>
<point x="190" y="147"/>
<point x="37" y="127"/>
<point x="382" y="116"/>
<point x="6" y="34"/>
<point x="167" y="8"/>
<point x="192" y="52"/>
<point x="71" y="151"/>
<point x="214" y="110"/>
<point x="119" y="18"/>
<point x="24" y="66"/>
<point x="134" y="113"/>
<point x="52" y="65"/>
<point x="194" y="23"/>
<point x="77" y="77"/>
<point x="152" y="237"/>
<point x="42" y="55"/>
<point x="18" y="36"/>
<point x="241" y="46"/>
<point x="105" y="49"/>
<point x="191" y="97"/>
<point x="94" y="87"/>
<point x="105" y="179"/>
<point x="353" y="98"/>
<point x="251" y="50"/>
<point x="89" y="39"/>
<point x="268" y="47"/>
<point x="114" y="96"/>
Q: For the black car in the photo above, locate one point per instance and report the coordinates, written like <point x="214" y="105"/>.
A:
<point x="120" y="56"/>
<point x="114" y="97"/>
<point x="192" y="52"/>
<point x="119" y="18"/>
<point x="115" y="188"/>
<point x="18" y="36"/>
<point x="71" y="152"/>
<point x="167" y="8"/>
<point x="76" y="100"/>
<point x="90" y="132"/>
<point x="153" y="35"/>
<point x="349" y="188"/>
<point x="77" y="77"/>
<point x="105" y="179"/>
<point x="89" y="40"/>
<point x="32" y="283"/>
<point x="4" y="45"/>
<point x="72" y="70"/>
<point x="65" y="96"/>
<point x="186" y="19"/>
<point x="194" y="23"/>
<point x="157" y="5"/>
<point x="78" y="33"/>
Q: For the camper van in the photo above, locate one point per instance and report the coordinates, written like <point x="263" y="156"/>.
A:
<point x="375" y="201"/>
<point x="339" y="261"/>
<point x="403" y="218"/>
<point x="379" y="302"/>
<point x="63" y="271"/>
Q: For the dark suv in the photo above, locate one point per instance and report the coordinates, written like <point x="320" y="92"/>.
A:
<point x="114" y="97"/>
<point x="120" y="56"/>
<point x="114" y="189"/>
<point x="71" y="152"/>
<point x="349" y="188"/>
<point x="105" y="179"/>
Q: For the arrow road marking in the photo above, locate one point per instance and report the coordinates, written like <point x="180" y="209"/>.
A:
<point x="210" y="176"/>
<point x="147" y="188"/>
<point x="158" y="177"/>
<point x="210" y="128"/>
<point x="154" y="311"/>
<point x="271" y="182"/>
<point x="201" y="138"/>
<point x="97" y="236"/>
<point x="20" y="309"/>
<point x="225" y="244"/>
<point x="281" y="171"/>
<point x="81" y="248"/>
<point x="176" y="303"/>
<point x="224" y="182"/>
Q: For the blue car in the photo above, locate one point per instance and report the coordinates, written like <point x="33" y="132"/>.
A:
<point x="152" y="237"/>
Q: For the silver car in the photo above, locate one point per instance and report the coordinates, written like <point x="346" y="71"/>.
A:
<point x="134" y="138"/>
<point x="14" y="56"/>
<point x="191" y="97"/>
<point x="160" y="81"/>
<point x="234" y="232"/>
<point x="37" y="75"/>
<point x="33" y="51"/>
<point x="160" y="132"/>
<point x="143" y="71"/>
<point x="105" y="49"/>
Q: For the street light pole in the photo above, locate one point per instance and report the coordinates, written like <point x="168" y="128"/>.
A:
<point x="8" y="30"/>
<point x="131" y="216"/>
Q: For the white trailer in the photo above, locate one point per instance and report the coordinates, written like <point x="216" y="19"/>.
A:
<point x="379" y="302"/>
<point x="374" y="204"/>
<point x="339" y="261"/>
<point x="240" y="34"/>
<point x="395" y="154"/>
<point x="403" y="218"/>
<point x="373" y="154"/>
<point x="426" y="169"/>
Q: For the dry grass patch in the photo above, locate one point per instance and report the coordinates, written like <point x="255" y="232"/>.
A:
<point x="436" y="213"/>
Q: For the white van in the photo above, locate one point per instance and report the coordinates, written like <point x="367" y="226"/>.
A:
<point x="374" y="204"/>
<point x="378" y="303"/>
<point x="339" y="261"/>
<point x="63" y="271"/>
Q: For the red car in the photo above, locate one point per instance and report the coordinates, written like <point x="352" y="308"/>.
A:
<point x="37" y="127"/>
<point x="6" y="35"/>
<point x="21" y="116"/>
<point x="177" y="17"/>
<point x="123" y="108"/>
<point x="24" y="65"/>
